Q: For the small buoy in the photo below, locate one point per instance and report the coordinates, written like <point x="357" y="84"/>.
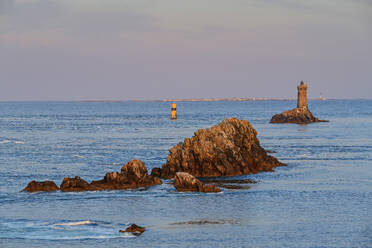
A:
<point x="174" y="111"/>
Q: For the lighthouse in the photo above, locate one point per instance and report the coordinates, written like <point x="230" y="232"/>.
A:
<point x="302" y="96"/>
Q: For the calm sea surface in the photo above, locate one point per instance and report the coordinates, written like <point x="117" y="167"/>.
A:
<point x="323" y="198"/>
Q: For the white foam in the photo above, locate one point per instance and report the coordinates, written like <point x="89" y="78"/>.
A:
<point x="18" y="142"/>
<point x="77" y="237"/>
<point x="78" y="223"/>
<point x="5" y="141"/>
<point x="77" y="156"/>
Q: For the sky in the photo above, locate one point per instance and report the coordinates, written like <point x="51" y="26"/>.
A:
<point x="165" y="49"/>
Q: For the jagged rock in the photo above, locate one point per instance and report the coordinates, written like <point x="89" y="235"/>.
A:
<point x="296" y="115"/>
<point x="230" y="148"/>
<point x="35" y="186"/>
<point x="75" y="184"/>
<point x="132" y="175"/>
<point x="185" y="182"/>
<point x="134" y="229"/>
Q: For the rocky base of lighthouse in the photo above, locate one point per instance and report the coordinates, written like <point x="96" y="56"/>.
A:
<point x="297" y="116"/>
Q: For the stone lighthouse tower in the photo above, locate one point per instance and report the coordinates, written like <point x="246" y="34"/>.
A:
<point x="302" y="96"/>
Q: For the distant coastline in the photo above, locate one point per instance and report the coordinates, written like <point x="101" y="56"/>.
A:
<point x="227" y="99"/>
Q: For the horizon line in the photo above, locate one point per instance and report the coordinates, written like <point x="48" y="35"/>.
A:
<point x="227" y="99"/>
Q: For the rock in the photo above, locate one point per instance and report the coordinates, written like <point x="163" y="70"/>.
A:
<point x="134" y="229"/>
<point x="76" y="184"/>
<point x="156" y="172"/>
<point x="132" y="175"/>
<point x="296" y="115"/>
<point x="206" y="222"/>
<point x="230" y="148"/>
<point x="185" y="182"/>
<point x="35" y="186"/>
<point x="270" y="151"/>
<point x="230" y="183"/>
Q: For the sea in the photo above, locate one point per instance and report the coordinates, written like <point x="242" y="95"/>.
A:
<point x="322" y="198"/>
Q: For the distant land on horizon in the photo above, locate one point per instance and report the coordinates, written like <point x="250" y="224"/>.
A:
<point x="227" y="99"/>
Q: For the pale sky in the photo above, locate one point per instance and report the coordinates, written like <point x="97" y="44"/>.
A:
<point x="156" y="49"/>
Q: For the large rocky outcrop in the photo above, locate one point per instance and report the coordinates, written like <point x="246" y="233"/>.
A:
<point x="230" y="148"/>
<point x="185" y="182"/>
<point x="296" y="115"/>
<point x="35" y="186"/>
<point x="133" y="175"/>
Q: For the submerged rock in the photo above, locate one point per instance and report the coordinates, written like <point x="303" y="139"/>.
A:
<point x="206" y="222"/>
<point x="75" y="184"/>
<point x="133" y="175"/>
<point x="230" y="148"/>
<point x="230" y="184"/>
<point x="134" y="229"/>
<point x="35" y="186"/>
<point x="185" y="182"/>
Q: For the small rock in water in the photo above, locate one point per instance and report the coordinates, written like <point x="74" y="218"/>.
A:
<point x="296" y="116"/>
<point x="134" y="229"/>
<point x="46" y="186"/>
<point x="75" y="184"/>
<point x="185" y="182"/>
<point x="133" y="175"/>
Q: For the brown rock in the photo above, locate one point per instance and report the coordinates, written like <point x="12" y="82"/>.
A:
<point x="296" y="115"/>
<point x="133" y="175"/>
<point x="76" y="184"/>
<point x="185" y="182"/>
<point x="134" y="229"/>
<point x="35" y="186"/>
<point x="230" y="148"/>
<point x="156" y="172"/>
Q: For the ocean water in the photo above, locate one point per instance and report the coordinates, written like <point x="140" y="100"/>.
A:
<point x="323" y="198"/>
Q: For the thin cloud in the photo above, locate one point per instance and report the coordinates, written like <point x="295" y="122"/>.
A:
<point x="6" y="6"/>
